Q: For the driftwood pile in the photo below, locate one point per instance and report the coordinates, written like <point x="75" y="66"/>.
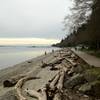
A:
<point x="54" y="88"/>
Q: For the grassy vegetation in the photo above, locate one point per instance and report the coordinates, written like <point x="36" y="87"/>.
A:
<point x="94" y="71"/>
<point x="92" y="74"/>
<point x="93" y="52"/>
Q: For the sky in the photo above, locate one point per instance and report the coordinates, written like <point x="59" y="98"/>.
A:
<point x="27" y="41"/>
<point x="35" y="19"/>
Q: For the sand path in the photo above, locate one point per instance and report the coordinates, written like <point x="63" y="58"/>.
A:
<point x="92" y="60"/>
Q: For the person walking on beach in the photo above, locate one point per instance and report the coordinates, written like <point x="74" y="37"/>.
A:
<point x="45" y="53"/>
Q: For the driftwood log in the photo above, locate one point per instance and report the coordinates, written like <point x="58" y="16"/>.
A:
<point x="59" y="85"/>
<point x="57" y="96"/>
<point x="60" y="81"/>
<point x="18" y="86"/>
<point x="54" y="81"/>
<point x="55" y="86"/>
<point x="44" y="64"/>
<point x="12" y="81"/>
<point x="71" y="62"/>
<point x="56" y="61"/>
<point x="66" y="64"/>
<point x="52" y="64"/>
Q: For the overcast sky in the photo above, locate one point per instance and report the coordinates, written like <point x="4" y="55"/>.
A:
<point x="33" y="18"/>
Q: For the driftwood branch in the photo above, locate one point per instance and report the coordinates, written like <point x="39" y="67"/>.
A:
<point x="54" y="81"/>
<point x="18" y="86"/>
<point x="60" y="81"/>
<point x="18" y="89"/>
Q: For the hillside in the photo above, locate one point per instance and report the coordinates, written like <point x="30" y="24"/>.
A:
<point x="88" y="34"/>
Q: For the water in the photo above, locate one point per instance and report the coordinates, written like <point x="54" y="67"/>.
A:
<point x="10" y="56"/>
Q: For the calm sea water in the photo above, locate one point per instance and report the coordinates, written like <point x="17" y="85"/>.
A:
<point x="10" y="56"/>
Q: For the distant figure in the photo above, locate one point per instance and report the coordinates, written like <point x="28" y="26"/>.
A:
<point x="83" y="47"/>
<point x="53" y="51"/>
<point x="45" y="53"/>
<point x="76" y="48"/>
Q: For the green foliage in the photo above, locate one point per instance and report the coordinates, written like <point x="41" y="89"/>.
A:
<point x="92" y="74"/>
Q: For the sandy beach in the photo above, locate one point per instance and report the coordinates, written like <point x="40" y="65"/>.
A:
<point x="26" y="67"/>
<point x="58" y="75"/>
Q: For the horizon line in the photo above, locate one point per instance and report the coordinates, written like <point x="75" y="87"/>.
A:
<point x="27" y="41"/>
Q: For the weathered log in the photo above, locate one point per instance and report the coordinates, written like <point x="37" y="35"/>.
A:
<point x="71" y="71"/>
<point x="53" y="83"/>
<point x="57" y="96"/>
<point x="12" y="81"/>
<point x="18" y="86"/>
<point x="57" y="61"/>
<point x="44" y="64"/>
<point x="61" y="81"/>
<point x="40" y="96"/>
<point x="66" y="64"/>
<point x="71" y="61"/>
<point x="52" y="63"/>
<point x="18" y="89"/>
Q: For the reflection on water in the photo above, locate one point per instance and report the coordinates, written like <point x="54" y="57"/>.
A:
<point x="13" y="55"/>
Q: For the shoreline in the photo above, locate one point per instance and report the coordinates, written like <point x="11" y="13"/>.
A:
<point x="25" y="63"/>
<point x="23" y="68"/>
<point x="61" y="70"/>
<point x="12" y="56"/>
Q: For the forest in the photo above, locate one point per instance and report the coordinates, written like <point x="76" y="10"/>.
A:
<point x="83" y="25"/>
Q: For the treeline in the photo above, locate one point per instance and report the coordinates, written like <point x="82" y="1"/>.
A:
<point x="87" y="33"/>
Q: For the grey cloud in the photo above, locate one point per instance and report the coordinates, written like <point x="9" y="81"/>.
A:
<point x="32" y="18"/>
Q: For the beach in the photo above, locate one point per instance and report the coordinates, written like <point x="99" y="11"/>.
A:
<point x="23" y="68"/>
<point x="56" y="75"/>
